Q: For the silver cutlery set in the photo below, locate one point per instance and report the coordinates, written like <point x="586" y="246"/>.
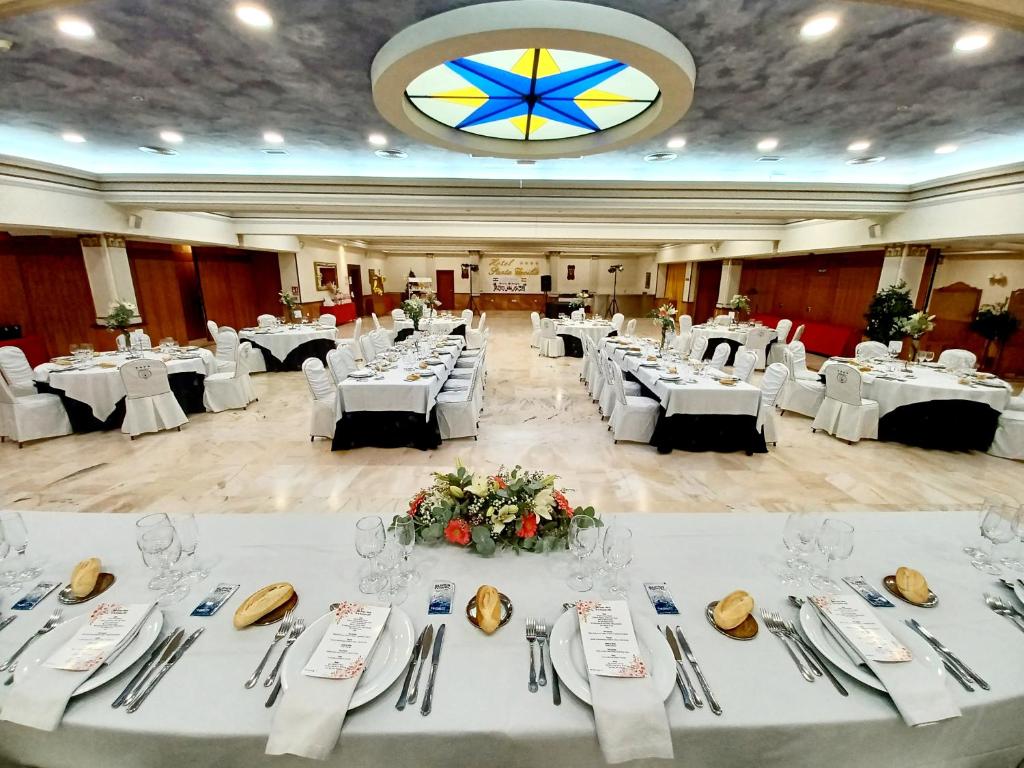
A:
<point x="12" y="661"/>
<point x="691" y="699"/>
<point x="163" y="657"/>
<point x="959" y="671"/>
<point x="288" y="630"/>
<point x="537" y="633"/>
<point x="1004" y="608"/>
<point x="417" y="661"/>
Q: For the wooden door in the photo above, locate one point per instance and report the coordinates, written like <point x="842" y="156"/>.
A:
<point x="167" y="289"/>
<point x="355" y="286"/>
<point x="238" y="285"/>
<point x="709" y="276"/>
<point x="954" y="307"/>
<point x="675" y="283"/>
<point x="446" y="288"/>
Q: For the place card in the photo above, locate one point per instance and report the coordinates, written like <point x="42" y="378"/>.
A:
<point x="108" y="626"/>
<point x="609" y="641"/>
<point x="861" y="629"/>
<point x="348" y="641"/>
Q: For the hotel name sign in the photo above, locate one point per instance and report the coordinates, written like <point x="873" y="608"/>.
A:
<point x="513" y="267"/>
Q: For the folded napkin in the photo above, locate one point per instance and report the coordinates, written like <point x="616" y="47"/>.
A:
<point x="38" y="698"/>
<point x="918" y="693"/>
<point x="308" y="720"/>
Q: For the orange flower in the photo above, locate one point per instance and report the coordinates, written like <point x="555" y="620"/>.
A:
<point x="500" y="483"/>
<point x="414" y="505"/>
<point x="457" y="532"/>
<point x="562" y="502"/>
<point x="529" y="527"/>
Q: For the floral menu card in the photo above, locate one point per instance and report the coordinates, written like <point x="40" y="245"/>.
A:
<point x="348" y="641"/>
<point x="860" y="628"/>
<point x="106" y="628"/>
<point x="609" y="642"/>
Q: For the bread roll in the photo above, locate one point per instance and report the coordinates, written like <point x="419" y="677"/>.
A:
<point x="262" y="602"/>
<point x="912" y="585"/>
<point x="488" y="609"/>
<point x="83" y="578"/>
<point x="733" y="609"/>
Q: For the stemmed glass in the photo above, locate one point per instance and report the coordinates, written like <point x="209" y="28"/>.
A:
<point x="161" y="549"/>
<point x="835" y="542"/>
<point x="618" y="553"/>
<point x="8" y="576"/>
<point x="998" y="526"/>
<point x="390" y="564"/>
<point x="798" y="537"/>
<point x="1016" y="562"/>
<point x="405" y="535"/>
<point x="17" y="537"/>
<point x="969" y="549"/>
<point x="188" y="535"/>
<point x="370" y="541"/>
<point x="583" y="534"/>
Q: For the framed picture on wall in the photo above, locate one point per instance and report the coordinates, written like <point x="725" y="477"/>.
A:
<point x="326" y="274"/>
<point x="570" y="272"/>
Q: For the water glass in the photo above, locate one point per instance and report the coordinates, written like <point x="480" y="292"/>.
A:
<point x="370" y="541"/>
<point x="798" y="536"/>
<point x="188" y="535"/>
<point x="8" y="574"/>
<point x="583" y="535"/>
<point x="160" y="550"/>
<point x="999" y="526"/>
<point x="618" y="553"/>
<point x="405" y="535"/>
<point x="835" y="542"/>
<point x="389" y="563"/>
<point x="17" y="536"/>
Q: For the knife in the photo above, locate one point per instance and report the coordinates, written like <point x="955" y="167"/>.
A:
<point x="404" y="697"/>
<point x="8" y="620"/>
<point x="690" y="697"/>
<point x="428" y="697"/>
<point x="933" y="641"/>
<point x="428" y="637"/>
<point x="166" y="650"/>
<point x="712" y="702"/>
<point x="165" y="669"/>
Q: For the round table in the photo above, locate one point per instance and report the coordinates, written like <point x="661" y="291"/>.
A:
<point x="733" y="335"/>
<point x="285" y="348"/>
<point x="574" y="331"/>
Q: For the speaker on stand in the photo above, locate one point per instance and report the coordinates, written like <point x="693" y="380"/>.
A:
<point x="613" y="305"/>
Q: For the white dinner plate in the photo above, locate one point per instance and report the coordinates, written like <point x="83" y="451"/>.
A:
<point x="568" y="659"/>
<point x="386" y="663"/>
<point x="822" y="640"/>
<point x="361" y="373"/>
<point x="1018" y="591"/>
<point x="49" y="643"/>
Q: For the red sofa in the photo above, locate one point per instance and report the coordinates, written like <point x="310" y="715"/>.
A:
<point x="821" y="338"/>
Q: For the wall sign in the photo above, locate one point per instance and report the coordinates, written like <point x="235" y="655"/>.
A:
<point x="502" y="284"/>
<point x="570" y="272"/>
<point x="513" y="267"/>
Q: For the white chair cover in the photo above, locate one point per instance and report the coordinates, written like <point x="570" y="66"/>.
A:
<point x="577" y="314"/>
<point x="341" y="363"/>
<point x="783" y="328"/>
<point x="467" y="318"/>
<point x="744" y="364"/>
<point x="264" y="321"/>
<point x="800" y="395"/>
<point x="458" y="409"/>
<point x="685" y="323"/>
<point x="367" y="348"/>
<point x="535" y="337"/>
<point x="138" y="339"/>
<point x="723" y="320"/>
<point x="352" y="345"/>
<point x="228" y="391"/>
<point x="381" y="341"/>
<point x="681" y="342"/>
<point x="213" y="329"/>
<point x="634" y="418"/>
<point x="607" y="401"/>
<point x="550" y="343"/>
<point x="1016" y="403"/>
<point x="475" y="337"/>
<point x="720" y="356"/>
<point x="868" y="350"/>
<point x="631" y="327"/>
<point x="772" y="382"/>
<point x="31" y="417"/>
<point x="800" y="362"/>
<point x="958" y="359"/>
<point x="617" y="320"/>
<point x="699" y="347"/>
<point x="325" y="395"/>
<point x="1009" y="439"/>
<point x="844" y="412"/>
<point x="376" y="322"/>
<point x="398" y="314"/>
<point x="15" y="368"/>
<point x="799" y="332"/>
<point x="758" y="339"/>
<point x="327" y="321"/>
<point x="227" y="351"/>
<point x="149" y="404"/>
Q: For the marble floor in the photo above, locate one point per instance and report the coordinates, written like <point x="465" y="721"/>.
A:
<point x="537" y="414"/>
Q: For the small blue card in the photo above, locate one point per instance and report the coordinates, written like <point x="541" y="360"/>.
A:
<point x="441" y="597"/>
<point x="660" y="597"/>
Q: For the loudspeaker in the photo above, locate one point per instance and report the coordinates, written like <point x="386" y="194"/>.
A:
<point x="545" y="283"/>
<point x="134" y="221"/>
<point x="875" y="231"/>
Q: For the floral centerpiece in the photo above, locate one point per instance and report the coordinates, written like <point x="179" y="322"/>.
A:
<point x="517" y="508"/>
<point x="916" y="326"/>
<point x="119" y="317"/>
<point x="665" y="316"/>
<point x="288" y="300"/>
<point x="579" y="301"/>
<point x="414" y="308"/>
<point x="739" y="303"/>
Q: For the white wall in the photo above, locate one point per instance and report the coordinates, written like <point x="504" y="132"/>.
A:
<point x="976" y="271"/>
<point x="313" y="251"/>
<point x="289" y="273"/>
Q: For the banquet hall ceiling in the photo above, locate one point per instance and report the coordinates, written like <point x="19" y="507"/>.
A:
<point x="886" y="75"/>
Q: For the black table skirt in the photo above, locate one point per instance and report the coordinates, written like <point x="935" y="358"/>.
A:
<point x="187" y="388"/>
<point x="573" y="345"/>
<point x="948" y="425"/>
<point x="386" y="429"/>
<point x="713" y="344"/>
<point x="317" y="348"/>
<point x="404" y="333"/>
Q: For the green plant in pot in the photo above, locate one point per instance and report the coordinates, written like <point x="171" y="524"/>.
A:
<point x="889" y="308"/>
<point x="996" y="324"/>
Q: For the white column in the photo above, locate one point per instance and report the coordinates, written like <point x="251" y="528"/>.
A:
<point x="906" y="263"/>
<point x="110" y="276"/>
<point x="729" y="285"/>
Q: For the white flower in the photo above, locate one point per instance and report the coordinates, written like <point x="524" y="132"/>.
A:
<point x="543" y="503"/>
<point x="479" y="485"/>
<point x="503" y="516"/>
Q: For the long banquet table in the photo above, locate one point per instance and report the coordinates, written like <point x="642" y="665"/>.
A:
<point x="483" y="714"/>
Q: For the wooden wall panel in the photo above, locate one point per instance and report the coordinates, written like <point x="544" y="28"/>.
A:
<point x="709" y="277"/>
<point x="13" y="307"/>
<point x="238" y="285"/>
<point x="167" y="290"/>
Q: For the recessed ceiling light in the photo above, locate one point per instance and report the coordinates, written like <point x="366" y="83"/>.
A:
<point x="819" y="26"/>
<point x="172" y="137"/>
<point x="660" y="157"/>
<point x="859" y="146"/>
<point x="154" y="150"/>
<point x="273" y="137"/>
<point x="72" y="26"/>
<point x="73" y="138"/>
<point x="767" y="145"/>
<point x="676" y="142"/>
<point x="946" y="149"/>
<point x="391" y="154"/>
<point x="5" y="44"/>
<point x="865" y="160"/>
<point x="377" y="139"/>
<point x="254" y="15"/>
<point x="972" y="42"/>
<point x="523" y="162"/>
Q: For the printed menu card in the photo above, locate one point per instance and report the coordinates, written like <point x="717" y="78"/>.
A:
<point x="348" y="641"/>
<point x="609" y="641"/>
<point x="105" y="631"/>
<point x="860" y="628"/>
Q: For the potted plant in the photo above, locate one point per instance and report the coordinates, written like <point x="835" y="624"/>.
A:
<point x="740" y="304"/>
<point x="996" y="324"/>
<point x="916" y="326"/>
<point x="665" y="316"/>
<point x="119" y="317"/>
<point x="888" y="310"/>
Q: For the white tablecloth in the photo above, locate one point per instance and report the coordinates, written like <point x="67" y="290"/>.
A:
<point x="441" y="325"/>
<point x="101" y="388"/>
<point x="721" y="332"/>
<point x="393" y="392"/>
<point x="483" y="714"/>
<point x="594" y="331"/>
<point x="279" y="342"/>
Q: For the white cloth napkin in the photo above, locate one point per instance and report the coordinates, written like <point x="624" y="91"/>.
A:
<point x="37" y="699"/>
<point x="918" y="693"/>
<point x="309" y="717"/>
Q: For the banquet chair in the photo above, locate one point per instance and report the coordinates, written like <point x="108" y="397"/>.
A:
<point x="577" y="314"/>
<point x="599" y="379"/>
<point x="398" y="315"/>
<point x="327" y="321"/>
<point x="800" y="362"/>
<point x="227" y="351"/>
<point x="149" y="403"/>
<point x="631" y="327"/>
<point x="772" y="382"/>
<point x="799" y="332"/>
<point x="589" y="356"/>
<point x="341" y="363"/>
<point x="607" y="401"/>
<point x="681" y="343"/>
<point x="617" y="320"/>
<point x="367" y="348"/>
<point x="758" y="340"/>
<point x="777" y="352"/>
<point x="376" y="323"/>
<point x="467" y="318"/>
<point x="475" y="336"/>
<point x="324" y="415"/>
<point x="634" y="418"/>
<point x="744" y="364"/>
<point x="381" y="340"/>
<point x="699" y="347"/>
<point x="958" y="359"/>
<point x="467" y="364"/>
<point x="213" y="329"/>
<point x="783" y="328"/>
<point x="723" y="320"/>
<point x="535" y="322"/>
<point x="868" y="350"/>
<point x="265" y="321"/>
<point x="138" y="338"/>
<point x="458" y="410"/>
<point x="228" y="391"/>
<point x="802" y="396"/>
<point x="1008" y="442"/>
<point x="15" y="368"/>
<point x="30" y="417"/>
<point x="685" y="323"/>
<point x="550" y="343"/>
<point x="720" y="357"/>
<point x="845" y="412"/>
<point x="352" y="345"/>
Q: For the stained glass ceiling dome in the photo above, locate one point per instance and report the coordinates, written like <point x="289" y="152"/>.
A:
<point x="532" y="94"/>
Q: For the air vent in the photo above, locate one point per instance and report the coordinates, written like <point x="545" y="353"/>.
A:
<point x="274" y="151"/>
<point x="769" y="159"/>
<point x="391" y="154"/>
<point x="154" y="150"/>
<point x="526" y="162"/>
<point x="865" y="160"/>
<point x="660" y="157"/>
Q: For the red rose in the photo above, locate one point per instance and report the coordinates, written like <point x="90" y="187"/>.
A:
<point x="457" y="532"/>
<point x="529" y="527"/>
<point x="414" y="505"/>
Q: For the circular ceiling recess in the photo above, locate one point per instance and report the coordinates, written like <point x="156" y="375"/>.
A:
<point x="533" y="79"/>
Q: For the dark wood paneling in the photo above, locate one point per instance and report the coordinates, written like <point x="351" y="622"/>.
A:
<point x="709" y="278"/>
<point x="238" y="285"/>
<point x="13" y="307"/>
<point x="954" y="307"/>
<point x="1011" y="362"/>
<point x="529" y="302"/>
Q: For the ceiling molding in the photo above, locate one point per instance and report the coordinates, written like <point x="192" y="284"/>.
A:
<point x="1001" y="13"/>
<point x="10" y="8"/>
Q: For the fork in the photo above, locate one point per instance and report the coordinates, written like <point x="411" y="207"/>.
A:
<point x="283" y="629"/>
<point x="776" y="629"/>
<point x="298" y="627"/>
<point x="1004" y="609"/>
<point x="531" y="637"/>
<point x="542" y="638"/>
<point x="790" y="631"/>
<point x="47" y="627"/>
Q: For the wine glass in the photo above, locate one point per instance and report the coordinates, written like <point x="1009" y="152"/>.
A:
<point x="188" y="535"/>
<point x="618" y="553"/>
<point x="583" y="534"/>
<point x="17" y="536"/>
<point x="835" y="542"/>
<point x="390" y="564"/>
<point x="161" y="549"/>
<point x="971" y="550"/>
<point x="998" y="526"/>
<point x="798" y="536"/>
<point x="405" y="535"/>
<point x="8" y="575"/>
<point x="370" y="541"/>
<point x="1016" y="562"/>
